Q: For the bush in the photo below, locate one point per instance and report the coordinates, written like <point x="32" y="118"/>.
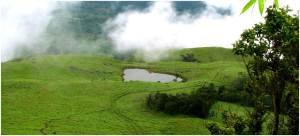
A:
<point x="188" y="58"/>
<point x="233" y="96"/>
<point x="216" y="129"/>
<point x="236" y="93"/>
<point x="197" y="103"/>
<point x="234" y="124"/>
<point x="239" y="82"/>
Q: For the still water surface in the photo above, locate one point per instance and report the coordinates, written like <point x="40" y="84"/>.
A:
<point x="145" y="75"/>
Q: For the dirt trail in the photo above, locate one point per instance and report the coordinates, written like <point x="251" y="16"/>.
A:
<point x="218" y="73"/>
<point x="52" y="120"/>
<point x="137" y="129"/>
<point x="45" y="127"/>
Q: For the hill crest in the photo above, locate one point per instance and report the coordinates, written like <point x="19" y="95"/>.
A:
<point x="201" y="54"/>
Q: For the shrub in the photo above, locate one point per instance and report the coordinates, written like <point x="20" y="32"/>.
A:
<point x="234" y="124"/>
<point x="236" y="93"/>
<point x="197" y="103"/>
<point x="233" y="96"/>
<point x="216" y="129"/>
<point x="239" y="82"/>
<point x="188" y="58"/>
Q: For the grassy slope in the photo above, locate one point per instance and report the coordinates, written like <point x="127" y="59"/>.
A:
<point x="204" y="54"/>
<point x="70" y="94"/>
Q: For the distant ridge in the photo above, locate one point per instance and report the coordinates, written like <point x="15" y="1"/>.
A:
<point x="202" y="54"/>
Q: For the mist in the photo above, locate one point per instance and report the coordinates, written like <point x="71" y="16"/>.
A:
<point x="33" y="28"/>
<point x="160" y="28"/>
<point x="21" y="23"/>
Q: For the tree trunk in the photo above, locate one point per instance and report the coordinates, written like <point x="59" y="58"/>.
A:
<point x="276" y="112"/>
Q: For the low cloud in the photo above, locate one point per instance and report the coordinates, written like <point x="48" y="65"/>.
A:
<point x="22" y="22"/>
<point x="159" y="27"/>
<point x="35" y="28"/>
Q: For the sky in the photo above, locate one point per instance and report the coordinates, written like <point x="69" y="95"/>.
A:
<point x="155" y="28"/>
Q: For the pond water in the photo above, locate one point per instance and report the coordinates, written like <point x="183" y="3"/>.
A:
<point x="145" y="75"/>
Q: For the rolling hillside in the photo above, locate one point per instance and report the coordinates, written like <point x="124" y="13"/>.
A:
<point x="203" y="55"/>
<point x="72" y="94"/>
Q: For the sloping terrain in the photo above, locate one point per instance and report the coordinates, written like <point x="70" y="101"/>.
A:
<point x="72" y="94"/>
<point x="203" y="55"/>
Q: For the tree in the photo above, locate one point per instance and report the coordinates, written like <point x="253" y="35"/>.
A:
<point x="274" y="49"/>
<point x="188" y="58"/>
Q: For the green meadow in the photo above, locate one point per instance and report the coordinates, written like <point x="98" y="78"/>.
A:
<point x="85" y="95"/>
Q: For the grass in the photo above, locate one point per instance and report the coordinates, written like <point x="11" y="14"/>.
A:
<point x="72" y="94"/>
<point x="204" y="55"/>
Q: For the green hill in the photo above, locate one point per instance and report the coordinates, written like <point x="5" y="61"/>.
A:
<point x="72" y="94"/>
<point x="203" y="55"/>
<point x="62" y="68"/>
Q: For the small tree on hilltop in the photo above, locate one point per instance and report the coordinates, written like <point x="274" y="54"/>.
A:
<point x="274" y="47"/>
<point x="188" y="58"/>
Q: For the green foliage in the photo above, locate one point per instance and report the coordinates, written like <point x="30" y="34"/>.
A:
<point x="248" y="5"/>
<point x="292" y="100"/>
<point x="257" y="118"/>
<point x="216" y="129"/>
<point x="234" y="120"/>
<point x="197" y="103"/>
<point x="290" y="123"/>
<point x="235" y="92"/>
<point x="260" y="5"/>
<point x="276" y="4"/>
<point x="274" y="45"/>
<point x="233" y="123"/>
<point x="241" y="97"/>
<point x="239" y="82"/>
